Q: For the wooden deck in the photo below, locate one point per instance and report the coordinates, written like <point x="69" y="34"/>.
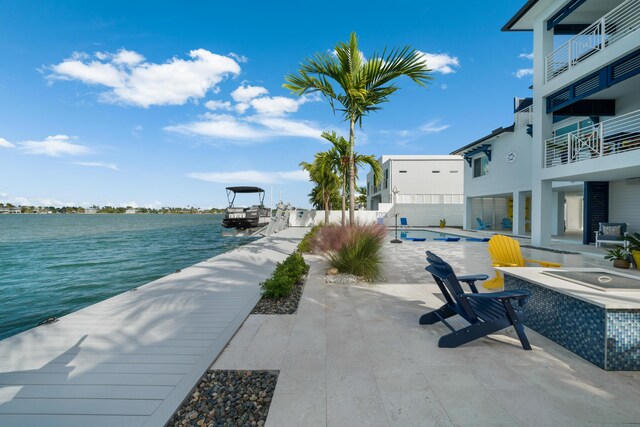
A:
<point x="132" y="359"/>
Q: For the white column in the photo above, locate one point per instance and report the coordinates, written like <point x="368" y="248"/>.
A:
<point x="557" y="224"/>
<point x="541" y="212"/>
<point x="541" y="194"/>
<point x="467" y="219"/>
<point x="519" y="200"/>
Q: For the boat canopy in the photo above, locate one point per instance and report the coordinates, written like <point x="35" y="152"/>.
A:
<point x="239" y="190"/>
<point x="245" y="189"/>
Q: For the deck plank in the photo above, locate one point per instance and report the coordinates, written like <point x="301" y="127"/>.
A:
<point x="132" y="359"/>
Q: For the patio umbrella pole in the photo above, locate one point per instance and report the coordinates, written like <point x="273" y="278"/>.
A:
<point x="396" y="239"/>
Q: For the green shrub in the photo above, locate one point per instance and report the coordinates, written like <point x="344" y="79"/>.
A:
<point x="360" y="253"/>
<point x="284" y="277"/>
<point x="306" y="244"/>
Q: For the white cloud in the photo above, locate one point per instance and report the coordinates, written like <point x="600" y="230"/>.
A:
<point x="6" y="144"/>
<point x="134" y="204"/>
<point x="98" y="165"/>
<point x="39" y="201"/>
<point x="275" y="106"/>
<point x="127" y="57"/>
<point x="441" y="62"/>
<point x="526" y="56"/>
<point x="218" y="105"/>
<point x="244" y="129"/>
<point x="224" y="126"/>
<point x="55" y="146"/>
<point x="444" y="86"/>
<point x="433" y="126"/>
<point x="250" y="176"/>
<point x="278" y="126"/>
<point x="132" y="80"/>
<point x="240" y="58"/>
<point x="524" y="72"/>
<point x="244" y="94"/>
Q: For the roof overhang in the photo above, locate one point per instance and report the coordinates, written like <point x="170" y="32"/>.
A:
<point x="523" y="19"/>
<point x="470" y="147"/>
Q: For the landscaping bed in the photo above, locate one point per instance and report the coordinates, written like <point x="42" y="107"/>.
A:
<point x="284" y="305"/>
<point x="228" y="398"/>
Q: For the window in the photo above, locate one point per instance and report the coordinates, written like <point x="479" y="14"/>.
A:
<point x="573" y="127"/>
<point x="480" y="166"/>
<point x="435" y="171"/>
<point x="386" y="178"/>
<point x="402" y="171"/>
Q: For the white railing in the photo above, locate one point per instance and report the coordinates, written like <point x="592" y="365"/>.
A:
<point x="616" y="135"/>
<point x="618" y="23"/>
<point x="524" y="117"/>
<point x="446" y="199"/>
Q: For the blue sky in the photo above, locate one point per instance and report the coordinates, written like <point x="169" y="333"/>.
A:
<point x="128" y="103"/>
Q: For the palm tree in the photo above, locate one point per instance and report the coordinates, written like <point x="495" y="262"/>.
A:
<point x="365" y="84"/>
<point x="339" y="158"/>
<point x="362" y="196"/>
<point x="327" y="182"/>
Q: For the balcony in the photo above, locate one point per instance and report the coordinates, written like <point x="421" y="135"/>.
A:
<point x="614" y="136"/>
<point x="615" y="25"/>
<point x="524" y="117"/>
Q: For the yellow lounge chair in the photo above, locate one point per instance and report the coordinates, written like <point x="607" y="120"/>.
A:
<point x="505" y="252"/>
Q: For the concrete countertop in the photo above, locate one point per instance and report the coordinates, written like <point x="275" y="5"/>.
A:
<point x="606" y="299"/>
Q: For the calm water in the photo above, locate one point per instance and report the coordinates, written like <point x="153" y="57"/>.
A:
<point x="52" y="265"/>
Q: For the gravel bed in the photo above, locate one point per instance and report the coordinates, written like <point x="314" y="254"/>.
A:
<point x="286" y="305"/>
<point x="228" y="398"/>
<point x="555" y="251"/>
<point x="342" y="279"/>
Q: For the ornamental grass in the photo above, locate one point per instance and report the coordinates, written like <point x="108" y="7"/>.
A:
<point x="353" y="250"/>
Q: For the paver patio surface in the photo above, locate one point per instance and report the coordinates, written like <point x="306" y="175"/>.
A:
<point x="356" y="356"/>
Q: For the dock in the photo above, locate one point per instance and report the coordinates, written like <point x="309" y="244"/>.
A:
<point x="132" y="359"/>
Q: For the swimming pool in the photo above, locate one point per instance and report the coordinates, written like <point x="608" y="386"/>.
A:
<point x="422" y="234"/>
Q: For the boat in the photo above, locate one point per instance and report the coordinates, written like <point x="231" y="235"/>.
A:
<point x="242" y="218"/>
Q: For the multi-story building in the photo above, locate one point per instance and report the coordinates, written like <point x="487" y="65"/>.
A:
<point x="427" y="187"/>
<point x="497" y="174"/>
<point x="586" y="115"/>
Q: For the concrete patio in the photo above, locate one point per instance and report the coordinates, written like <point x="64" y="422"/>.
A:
<point x="356" y="356"/>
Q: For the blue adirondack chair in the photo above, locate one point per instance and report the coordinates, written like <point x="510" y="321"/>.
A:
<point x="506" y="223"/>
<point x="486" y="312"/>
<point x="403" y="222"/>
<point x="482" y="225"/>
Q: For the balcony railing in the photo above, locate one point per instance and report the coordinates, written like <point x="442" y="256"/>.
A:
<point x="616" y="135"/>
<point x="618" y="23"/>
<point x="524" y="117"/>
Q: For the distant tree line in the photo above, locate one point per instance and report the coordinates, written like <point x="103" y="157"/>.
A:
<point x="110" y="209"/>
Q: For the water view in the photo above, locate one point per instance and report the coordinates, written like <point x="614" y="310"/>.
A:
<point x="52" y="265"/>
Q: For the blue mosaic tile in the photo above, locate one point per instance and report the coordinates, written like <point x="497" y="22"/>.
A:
<point x="609" y="339"/>
<point x="574" y="324"/>
<point x="623" y="340"/>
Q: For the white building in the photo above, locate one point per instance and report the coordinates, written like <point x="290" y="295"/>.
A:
<point x="12" y="210"/>
<point x="497" y="174"/>
<point x="428" y="188"/>
<point x="585" y="147"/>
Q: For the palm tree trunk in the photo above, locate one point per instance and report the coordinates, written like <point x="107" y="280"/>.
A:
<point x="326" y="210"/>
<point x="344" y="200"/>
<point x="352" y="175"/>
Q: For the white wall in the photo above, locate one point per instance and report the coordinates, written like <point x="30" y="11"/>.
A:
<point x="424" y="178"/>
<point x="504" y="177"/>
<point x="624" y="203"/>
<point x="309" y="218"/>
<point x="428" y="176"/>
<point x="418" y="215"/>
<point x="424" y="215"/>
